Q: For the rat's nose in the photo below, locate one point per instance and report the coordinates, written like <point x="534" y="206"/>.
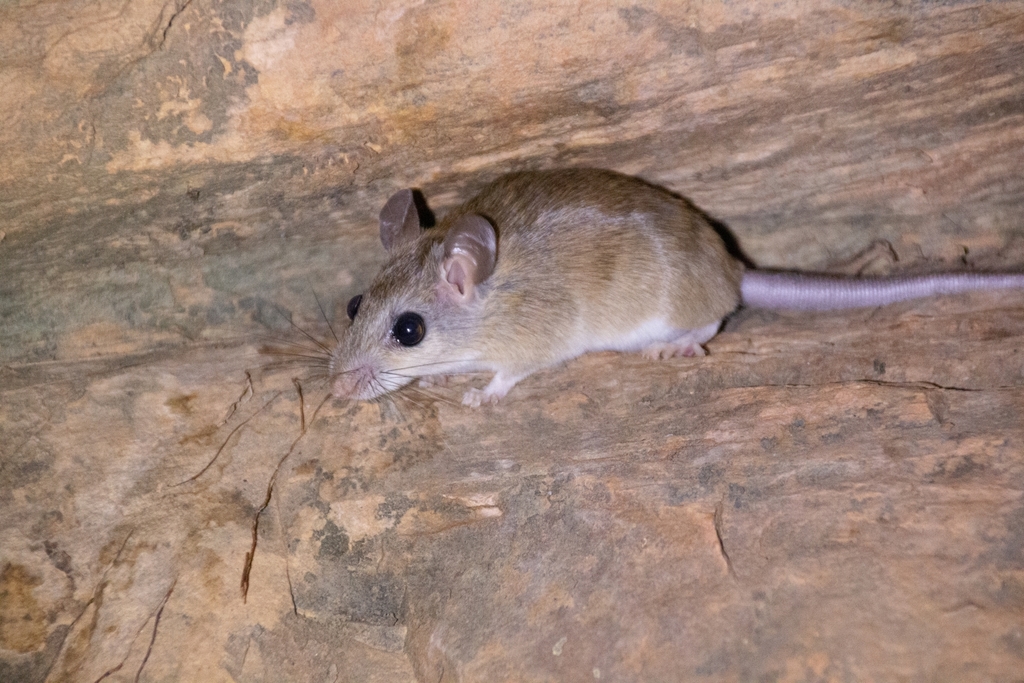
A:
<point x="345" y="385"/>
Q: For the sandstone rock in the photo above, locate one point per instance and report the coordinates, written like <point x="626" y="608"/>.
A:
<point x="823" y="497"/>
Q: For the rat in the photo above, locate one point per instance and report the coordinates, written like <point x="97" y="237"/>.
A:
<point x="544" y="266"/>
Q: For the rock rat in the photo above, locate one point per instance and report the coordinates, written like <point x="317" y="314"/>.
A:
<point x="544" y="266"/>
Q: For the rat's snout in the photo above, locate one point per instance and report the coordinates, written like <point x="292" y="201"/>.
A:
<point x="351" y="383"/>
<point x="365" y="381"/>
<point x="360" y="379"/>
<point x="347" y="375"/>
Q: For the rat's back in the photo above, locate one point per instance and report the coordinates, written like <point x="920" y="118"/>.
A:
<point x="587" y="257"/>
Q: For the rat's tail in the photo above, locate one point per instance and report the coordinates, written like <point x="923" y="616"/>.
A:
<point x="796" y="291"/>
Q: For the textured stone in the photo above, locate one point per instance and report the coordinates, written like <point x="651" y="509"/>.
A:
<point x="823" y="497"/>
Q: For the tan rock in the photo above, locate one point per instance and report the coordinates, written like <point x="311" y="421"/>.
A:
<point x="823" y="497"/>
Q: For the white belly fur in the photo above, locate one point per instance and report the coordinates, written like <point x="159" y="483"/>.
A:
<point x="641" y="336"/>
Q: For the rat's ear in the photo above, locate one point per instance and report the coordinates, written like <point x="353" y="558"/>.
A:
<point x="399" y="220"/>
<point x="470" y="250"/>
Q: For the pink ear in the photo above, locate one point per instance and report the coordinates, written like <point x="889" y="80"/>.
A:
<point x="399" y="220"/>
<point x="470" y="252"/>
<point x="455" y="274"/>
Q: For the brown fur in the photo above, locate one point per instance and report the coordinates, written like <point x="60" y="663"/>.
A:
<point x="583" y="257"/>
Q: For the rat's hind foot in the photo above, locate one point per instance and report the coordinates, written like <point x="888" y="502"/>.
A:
<point x="665" y="350"/>
<point x="687" y="344"/>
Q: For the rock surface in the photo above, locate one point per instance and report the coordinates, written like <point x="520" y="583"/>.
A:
<point x="823" y="497"/>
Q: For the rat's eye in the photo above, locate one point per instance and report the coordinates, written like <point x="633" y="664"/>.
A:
<point x="353" y="306"/>
<point x="409" y="329"/>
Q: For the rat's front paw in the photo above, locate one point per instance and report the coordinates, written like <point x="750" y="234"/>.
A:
<point x="498" y="387"/>
<point x="434" y="380"/>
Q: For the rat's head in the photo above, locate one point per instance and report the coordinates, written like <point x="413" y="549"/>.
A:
<point x="420" y="312"/>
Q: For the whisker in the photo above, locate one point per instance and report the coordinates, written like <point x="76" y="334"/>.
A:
<point x="289" y="351"/>
<point x="286" y="340"/>
<point x="393" y="404"/>
<point x="273" y="345"/>
<point x="329" y="326"/>
<point x="287" y="364"/>
<point x="319" y="381"/>
<point x="298" y="359"/>
<point x="282" y="349"/>
<point x="290" y="354"/>
<point x="407" y="396"/>
<point x="384" y="400"/>
<point x="307" y="334"/>
<point x="384" y="382"/>
<point x="425" y="365"/>
<point x="432" y="395"/>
